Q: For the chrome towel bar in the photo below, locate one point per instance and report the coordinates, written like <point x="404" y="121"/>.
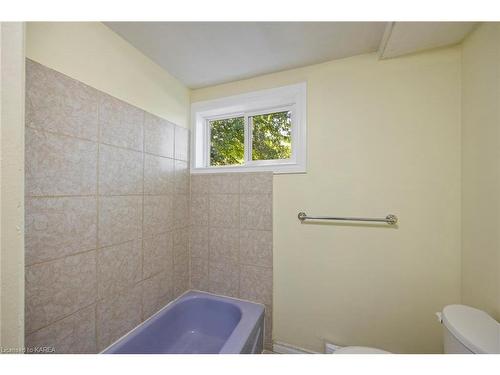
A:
<point x="389" y="219"/>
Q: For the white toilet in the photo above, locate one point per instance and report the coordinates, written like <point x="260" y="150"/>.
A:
<point x="469" y="331"/>
<point x="466" y="331"/>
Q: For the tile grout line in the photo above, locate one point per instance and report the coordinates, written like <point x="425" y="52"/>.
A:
<point x="142" y="215"/>
<point x="96" y="333"/>
<point x="60" y="134"/>
<point x="62" y="318"/>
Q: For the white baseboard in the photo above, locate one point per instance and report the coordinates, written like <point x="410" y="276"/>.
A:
<point x="283" y="348"/>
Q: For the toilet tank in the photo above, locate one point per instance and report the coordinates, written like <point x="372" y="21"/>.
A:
<point x="469" y="331"/>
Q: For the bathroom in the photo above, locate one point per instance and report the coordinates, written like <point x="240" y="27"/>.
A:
<point x="167" y="193"/>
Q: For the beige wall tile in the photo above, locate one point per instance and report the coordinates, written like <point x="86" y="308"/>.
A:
<point x="58" y="288"/>
<point x="223" y="278"/>
<point x="268" y="327"/>
<point x="199" y="209"/>
<point x="181" y="245"/>
<point x="256" y="211"/>
<point x="181" y="143"/>
<point x="200" y="183"/>
<point x="224" y="210"/>
<point x="118" y="267"/>
<point x="181" y="276"/>
<point x="156" y="293"/>
<point x="158" y="136"/>
<point x="198" y="242"/>
<point x="57" y="103"/>
<point x="158" y="214"/>
<point x="158" y="254"/>
<point x="57" y="227"/>
<point x="158" y="175"/>
<point x="59" y="165"/>
<point x="256" y="247"/>
<point x="228" y="183"/>
<point x="256" y="284"/>
<point x="224" y="245"/>
<point x="120" y="171"/>
<point x="181" y="177"/>
<point x="256" y="183"/>
<point x="118" y="315"/>
<point x="74" y="334"/>
<point x="181" y="210"/>
<point x="120" y="219"/>
<point x="199" y="274"/>
<point x="120" y="123"/>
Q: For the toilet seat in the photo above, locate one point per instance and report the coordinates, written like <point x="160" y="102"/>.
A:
<point x="360" y="350"/>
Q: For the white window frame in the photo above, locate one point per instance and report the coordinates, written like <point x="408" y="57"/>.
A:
<point x="287" y="98"/>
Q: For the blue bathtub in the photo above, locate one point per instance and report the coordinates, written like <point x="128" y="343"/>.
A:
<point x="197" y="323"/>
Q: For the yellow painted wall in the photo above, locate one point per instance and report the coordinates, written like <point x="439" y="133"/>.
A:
<point x="481" y="169"/>
<point x="12" y="186"/>
<point x="93" y="54"/>
<point x="383" y="137"/>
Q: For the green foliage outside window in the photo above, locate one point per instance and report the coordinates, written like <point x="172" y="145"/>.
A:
<point x="271" y="138"/>
<point x="227" y="144"/>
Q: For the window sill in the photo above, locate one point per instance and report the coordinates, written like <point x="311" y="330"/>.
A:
<point x="276" y="169"/>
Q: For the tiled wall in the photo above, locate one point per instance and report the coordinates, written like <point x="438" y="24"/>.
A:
<point x="231" y="237"/>
<point x="107" y="214"/>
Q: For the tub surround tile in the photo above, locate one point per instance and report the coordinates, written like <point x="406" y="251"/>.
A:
<point x="158" y="214"/>
<point x="200" y="184"/>
<point x="59" y="165"/>
<point x="238" y="259"/>
<point x="181" y="277"/>
<point x="181" y="210"/>
<point x="60" y="104"/>
<point x="224" y="210"/>
<point x="120" y="124"/>
<point x="198" y="244"/>
<point x="181" y="177"/>
<point x="158" y="175"/>
<point x="58" y="227"/>
<point x="120" y="171"/>
<point x="107" y="214"/>
<point x="224" y="245"/>
<point x="256" y="183"/>
<point x="199" y="210"/>
<point x="74" y="334"/>
<point x="223" y="278"/>
<point x="156" y="293"/>
<point x="199" y="274"/>
<point x="158" y="136"/>
<point x="227" y="183"/>
<point x="58" y="288"/>
<point x="120" y="219"/>
<point x="118" y="267"/>
<point x="118" y="315"/>
<point x="181" y="143"/>
<point x="256" y="284"/>
<point x="268" y="328"/>
<point x="256" y="211"/>
<point x="256" y="247"/>
<point x="158" y="254"/>
<point x="181" y="245"/>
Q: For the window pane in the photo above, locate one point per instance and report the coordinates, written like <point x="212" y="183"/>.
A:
<point x="272" y="136"/>
<point x="227" y="141"/>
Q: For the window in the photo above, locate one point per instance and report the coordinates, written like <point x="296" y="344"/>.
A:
<point x="263" y="130"/>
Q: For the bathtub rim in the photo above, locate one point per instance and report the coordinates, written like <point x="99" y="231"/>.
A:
<point x="236" y="340"/>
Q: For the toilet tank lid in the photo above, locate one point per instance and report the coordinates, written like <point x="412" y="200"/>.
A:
<point x="475" y="329"/>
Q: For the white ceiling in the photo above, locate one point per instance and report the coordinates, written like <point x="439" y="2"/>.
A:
<point x="403" y="38"/>
<point x="201" y="54"/>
